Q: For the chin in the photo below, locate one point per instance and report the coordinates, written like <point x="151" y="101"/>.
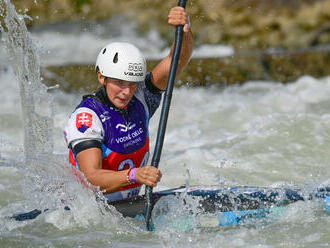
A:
<point x="121" y="106"/>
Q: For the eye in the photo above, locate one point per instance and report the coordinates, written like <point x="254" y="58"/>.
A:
<point x="120" y="83"/>
<point x="133" y="84"/>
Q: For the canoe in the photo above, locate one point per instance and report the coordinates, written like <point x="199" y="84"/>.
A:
<point x="226" y="205"/>
<point x="220" y="205"/>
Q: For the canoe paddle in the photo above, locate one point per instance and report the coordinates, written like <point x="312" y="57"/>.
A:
<point x="164" y="113"/>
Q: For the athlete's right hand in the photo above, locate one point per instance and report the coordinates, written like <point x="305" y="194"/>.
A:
<point x="178" y="16"/>
<point x="148" y="175"/>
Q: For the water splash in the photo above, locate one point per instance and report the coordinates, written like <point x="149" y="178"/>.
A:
<point x="48" y="183"/>
<point x="36" y="104"/>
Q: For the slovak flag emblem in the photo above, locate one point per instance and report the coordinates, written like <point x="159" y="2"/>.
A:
<point x="84" y="121"/>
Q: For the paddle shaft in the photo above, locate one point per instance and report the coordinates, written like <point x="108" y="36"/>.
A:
<point x="164" y="113"/>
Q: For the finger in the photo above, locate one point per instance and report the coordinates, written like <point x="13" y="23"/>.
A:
<point x="178" y="8"/>
<point x="177" y="22"/>
<point x="186" y="28"/>
<point x="178" y="17"/>
<point x="154" y="176"/>
<point x="151" y="184"/>
<point x="148" y="175"/>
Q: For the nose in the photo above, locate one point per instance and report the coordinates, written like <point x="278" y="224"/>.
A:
<point x="126" y="90"/>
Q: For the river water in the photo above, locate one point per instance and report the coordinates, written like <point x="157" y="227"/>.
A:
<point x="260" y="133"/>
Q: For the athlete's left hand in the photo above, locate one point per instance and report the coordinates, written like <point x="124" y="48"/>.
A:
<point x="148" y="175"/>
<point x="178" y="16"/>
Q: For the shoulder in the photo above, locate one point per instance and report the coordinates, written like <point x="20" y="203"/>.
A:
<point x="149" y="95"/>
<point x="84" y="123"/>
<point x="150" y="85"/>
<point x="91" y="103"/>
<point x="83" y="112"/>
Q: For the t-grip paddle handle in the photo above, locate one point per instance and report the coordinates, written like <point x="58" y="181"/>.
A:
<point x="164" y="113"/>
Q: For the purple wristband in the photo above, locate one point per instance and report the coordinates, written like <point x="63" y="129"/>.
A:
<point x="133" y="175"/>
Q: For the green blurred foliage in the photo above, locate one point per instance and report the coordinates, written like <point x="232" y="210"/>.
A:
<point x="81" y="3"/>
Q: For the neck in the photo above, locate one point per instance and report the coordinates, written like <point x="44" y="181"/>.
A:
<point x="101" y="94"/>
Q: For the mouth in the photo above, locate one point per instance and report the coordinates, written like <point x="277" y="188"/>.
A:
<point x="122" y="101"/>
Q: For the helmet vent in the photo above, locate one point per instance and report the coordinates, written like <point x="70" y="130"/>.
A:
<point x="115" y="58"/>
<point x="104" y="50"/>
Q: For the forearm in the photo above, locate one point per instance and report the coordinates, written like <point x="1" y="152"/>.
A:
<point x="90" y="163"/>
<point x="176" y="17"/>
<point x="186" y="51"/>
<point x="108" y="180"/>
<point x="112" y="181"/>
<point x="160" y="73"/>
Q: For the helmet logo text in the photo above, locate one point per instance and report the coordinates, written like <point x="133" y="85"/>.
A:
<point x="134" y="69"/>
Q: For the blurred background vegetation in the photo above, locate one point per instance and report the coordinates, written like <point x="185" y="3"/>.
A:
<point x="299" y="28"/>
<point x="244" y="24"/>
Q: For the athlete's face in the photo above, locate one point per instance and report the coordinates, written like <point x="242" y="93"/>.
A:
<point x="119" y="92"/>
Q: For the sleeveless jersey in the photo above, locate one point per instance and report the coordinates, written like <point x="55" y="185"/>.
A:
<point x="123" y="134"/>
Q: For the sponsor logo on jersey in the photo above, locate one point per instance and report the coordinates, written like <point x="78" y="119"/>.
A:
<point x="131" y="138"/>
<point x="124" y="128"/>
<point x="84" y="121"/>
<point x="105" y="116"/>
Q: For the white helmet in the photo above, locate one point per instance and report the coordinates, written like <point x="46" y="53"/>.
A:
<point x="121" y="61"/>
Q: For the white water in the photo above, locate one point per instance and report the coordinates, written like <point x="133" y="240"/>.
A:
<point x="83" y="42"/>
<point x="261" y="133"/>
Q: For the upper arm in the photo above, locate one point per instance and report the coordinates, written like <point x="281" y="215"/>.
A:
<point x="160" y="72"/>
<point x="89" y="161"/>
<point x="84" y="124"/>
<point x="149" y="95"/>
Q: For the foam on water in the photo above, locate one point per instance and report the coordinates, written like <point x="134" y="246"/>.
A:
<point x="35" y="103"/>
<point x="47" y="182"/>
<point x="249" y="134"/>
<point x="220" y="136"/>
<point x="76" y="43"/>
